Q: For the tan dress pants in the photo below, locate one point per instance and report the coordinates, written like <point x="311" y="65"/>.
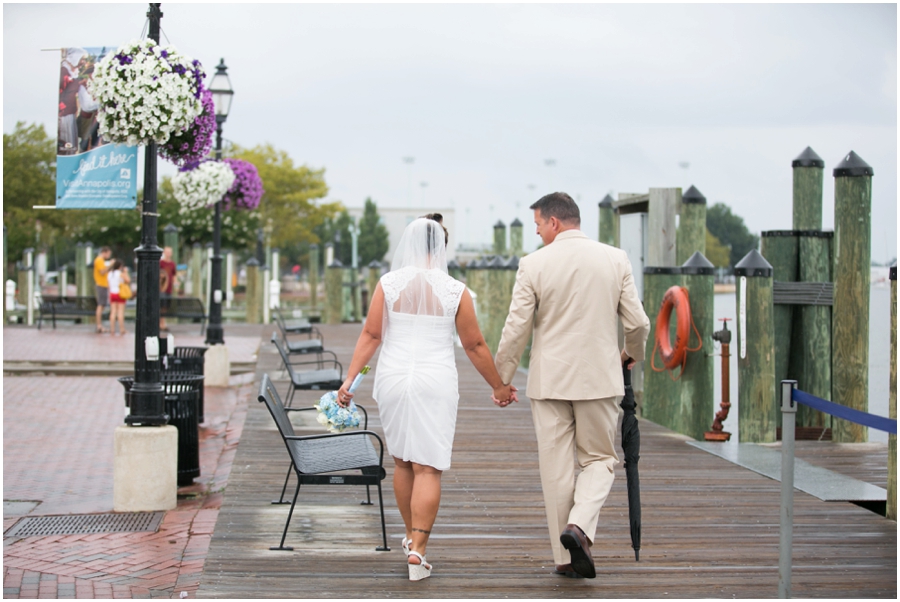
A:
<point x="583" y="430"/>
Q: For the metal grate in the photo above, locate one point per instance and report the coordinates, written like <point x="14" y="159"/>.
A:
<point x="77" y="524"/>
<point x="803" y="293"/>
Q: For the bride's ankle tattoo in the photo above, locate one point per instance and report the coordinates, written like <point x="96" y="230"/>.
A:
<point x="421" y="531"/>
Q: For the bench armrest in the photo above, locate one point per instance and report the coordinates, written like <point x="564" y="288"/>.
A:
<point x="358" y="407"/>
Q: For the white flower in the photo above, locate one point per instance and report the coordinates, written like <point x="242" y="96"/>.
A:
<point x="203" y="186"/>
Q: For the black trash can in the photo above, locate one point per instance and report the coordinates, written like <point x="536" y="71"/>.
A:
<point x="181" y="393"/>
<point x="189" y="360"/>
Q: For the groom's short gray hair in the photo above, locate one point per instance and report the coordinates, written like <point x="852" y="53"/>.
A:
<point x="559" y="205"/>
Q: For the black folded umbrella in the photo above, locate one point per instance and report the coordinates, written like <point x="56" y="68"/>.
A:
<point x="631" y="445"/>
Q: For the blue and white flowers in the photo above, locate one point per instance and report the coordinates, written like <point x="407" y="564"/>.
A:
<point x="332" y="415"/>
<point x="147" y="93"/>
<point x="202" y="185"/>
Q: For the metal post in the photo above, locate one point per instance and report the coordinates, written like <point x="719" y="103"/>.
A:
<point x="229" y="277"/>
<point x="785" y="540"/>
<point x="196" y="268"/>
<point x="147" y="403"/>
<point x="63" y="279"/>
<point x="29" y="290"/>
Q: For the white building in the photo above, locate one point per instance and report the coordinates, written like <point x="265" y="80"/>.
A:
<point x="396" y="219"/>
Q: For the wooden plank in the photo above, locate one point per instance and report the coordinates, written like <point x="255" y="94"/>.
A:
<point x="662" y="208"/>
<point x="709" y="529"/>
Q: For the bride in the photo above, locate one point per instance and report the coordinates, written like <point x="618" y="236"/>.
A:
<point x="413" y="313"/>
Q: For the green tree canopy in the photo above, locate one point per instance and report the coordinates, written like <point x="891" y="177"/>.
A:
<point x="731" y="231"/>
<point x="373" y="235"/>
<point x="716" y="252"/>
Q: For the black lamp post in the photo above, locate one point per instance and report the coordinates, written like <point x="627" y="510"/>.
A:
<point x="147" y="401"/>
<point x="221" y="93"/>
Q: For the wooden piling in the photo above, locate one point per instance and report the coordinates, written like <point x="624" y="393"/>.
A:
<point x="662" y="207"/>
<point x="892" y="407"/>
<point x="372" y="281"/>
<point x="697" y="383"/>
<point x="476" y="280"/>
<point x="757" y="408"/>
<point x="313" y="275"/>
<point x="499" y="238"/>
<point x="334" y="292"/>
<point x="808" y="170"/>
<point x="852" y="274"/>
<point x="515" y="238"/>
<point x="780" y="249"/>
<point x="252" y="292"/>
<point x="80" y="262"/>
<point x="608" y="222"/>
<point x="811" y="350"/>
<point x="499" y="295"/>
<point x="661" y="398"/>
<point x="691" y="234"/>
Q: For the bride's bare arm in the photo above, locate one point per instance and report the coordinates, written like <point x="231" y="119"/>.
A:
<point x="477" y="350"/>
<point x="367" y="344"/>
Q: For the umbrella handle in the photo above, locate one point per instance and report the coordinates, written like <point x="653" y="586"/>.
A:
<point x="626" y="374"/>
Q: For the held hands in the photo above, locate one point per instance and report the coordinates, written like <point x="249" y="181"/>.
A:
<point x="344" y="396"/>
<point x="505" y="395"/>
<point x="627" y="362"/>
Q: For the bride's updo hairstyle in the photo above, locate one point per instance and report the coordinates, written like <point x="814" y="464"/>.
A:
<point x="423" y="245"/>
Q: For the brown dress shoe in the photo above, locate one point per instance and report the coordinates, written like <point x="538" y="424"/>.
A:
<point x="566" y="569"/>
<point x="574" y="540"/>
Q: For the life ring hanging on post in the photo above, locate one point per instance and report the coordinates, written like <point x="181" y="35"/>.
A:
<point x="676" y="299"/>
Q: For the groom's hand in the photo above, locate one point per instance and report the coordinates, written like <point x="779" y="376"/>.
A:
<point x="504" y="395"/>
<point x="627" y="362"/>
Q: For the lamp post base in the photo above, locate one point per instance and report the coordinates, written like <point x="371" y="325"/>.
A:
<point x="216" y="366"/>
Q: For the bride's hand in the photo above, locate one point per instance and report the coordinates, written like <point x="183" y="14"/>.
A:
<point x="344" y="395"/>
<point x="504" y="395"/>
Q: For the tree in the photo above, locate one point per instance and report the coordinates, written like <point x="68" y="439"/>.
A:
<point x="29" y="178"/>
<point x="289" y="202"/>
<point x="731" y="231"/>
<point x="716" y="252"/>
<point x="327" y="232"/>
<point x="373" y="235"/>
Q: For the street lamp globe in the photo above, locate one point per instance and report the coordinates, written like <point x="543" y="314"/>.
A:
<point x="221" y="89"/>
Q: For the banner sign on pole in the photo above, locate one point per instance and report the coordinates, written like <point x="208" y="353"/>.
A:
<point x="90" y="172"/>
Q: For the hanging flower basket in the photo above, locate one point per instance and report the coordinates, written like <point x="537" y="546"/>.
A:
<point x="193" y="144"/>
<point x="147" y="93"/>
<point x="247" y="189"/>
<point x="198" y="186"/>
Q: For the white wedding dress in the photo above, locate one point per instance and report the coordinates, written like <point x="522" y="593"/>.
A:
<point x="416" y="383"/>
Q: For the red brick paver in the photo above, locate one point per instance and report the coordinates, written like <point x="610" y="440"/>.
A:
<point x="58" y="450"/>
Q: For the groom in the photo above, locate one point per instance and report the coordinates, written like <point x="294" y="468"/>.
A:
<point x="570" y="292"/>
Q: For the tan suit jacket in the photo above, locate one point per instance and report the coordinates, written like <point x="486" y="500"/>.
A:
<point x="570" y="292"/>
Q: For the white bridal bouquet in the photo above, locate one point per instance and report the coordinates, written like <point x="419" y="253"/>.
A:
<point x="203" y="185"/>
<point x="147" y="93"/>
<point x="333" y="415"/>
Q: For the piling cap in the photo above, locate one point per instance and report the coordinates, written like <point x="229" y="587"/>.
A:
<point x="474" y="265"/>
<point x="753" y="264"/>
<point x="853" y="165"/>
<point x="196" y="245"/>
<point x="375" y="264"/>
<point x="698" y="265"/>
<point x="336" y="263"/>
<point x="513" y="263"/>
<point x="452" y="265"/>
<point x="496" y="263"/>
<point x="693" y="196"/>
<point x="499" y="224"/>
<point x="606" y="202"/>
<point x="170" y="228"/>
<point x="894" y="272"/>
<point x="516" y="223"/>
<point x="209" y="245"/>
<point x="253" y="262"/>
<point x="808" y="158"/>
<point x="313" y="246"/>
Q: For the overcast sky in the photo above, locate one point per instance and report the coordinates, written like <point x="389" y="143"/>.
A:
<point x="483" y="95"/>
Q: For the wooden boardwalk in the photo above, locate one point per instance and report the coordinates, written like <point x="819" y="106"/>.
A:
<point x="710" y="529"/>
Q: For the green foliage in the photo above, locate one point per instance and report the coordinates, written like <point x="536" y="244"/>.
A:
<point x="289" y="204"/>
<point x="716" y="252"/>
<point x="29" y="178"/>
<point x="731" y="231"/>
<point x="373" y="235"/>
<point x="337" y="231"/>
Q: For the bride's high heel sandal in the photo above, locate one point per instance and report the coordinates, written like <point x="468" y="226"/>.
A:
<point x="420" y="571"/>
<point x="405" y="545"/>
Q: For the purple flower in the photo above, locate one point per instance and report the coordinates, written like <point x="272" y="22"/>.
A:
<point x="164" y="54"/>
<point x="192" y="145"/>
<point x="247" y="189"/>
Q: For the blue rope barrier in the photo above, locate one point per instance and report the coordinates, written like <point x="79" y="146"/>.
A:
<point x="880" y="423"/>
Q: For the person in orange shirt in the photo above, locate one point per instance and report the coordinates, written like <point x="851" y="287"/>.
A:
<point x="101" y="284"/>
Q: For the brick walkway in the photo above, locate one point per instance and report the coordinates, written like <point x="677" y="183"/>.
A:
<point x="65" y="462"/>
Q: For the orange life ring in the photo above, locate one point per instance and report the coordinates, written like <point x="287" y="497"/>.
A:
<point x="677" y="299"/>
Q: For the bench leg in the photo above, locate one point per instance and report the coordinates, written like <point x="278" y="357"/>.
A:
<point x="281" y="500"/>
<point x="368" y="501"/>
<point x="283" y="535"/>
<point x="385" y="547"/>
<point x="290" y="396"/>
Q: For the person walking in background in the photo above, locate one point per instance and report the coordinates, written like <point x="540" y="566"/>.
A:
<point x="101" y="285"/>
<point x="168" y="272"/>
<point x="569" y="293"/>
<point x="117" y="276"/>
